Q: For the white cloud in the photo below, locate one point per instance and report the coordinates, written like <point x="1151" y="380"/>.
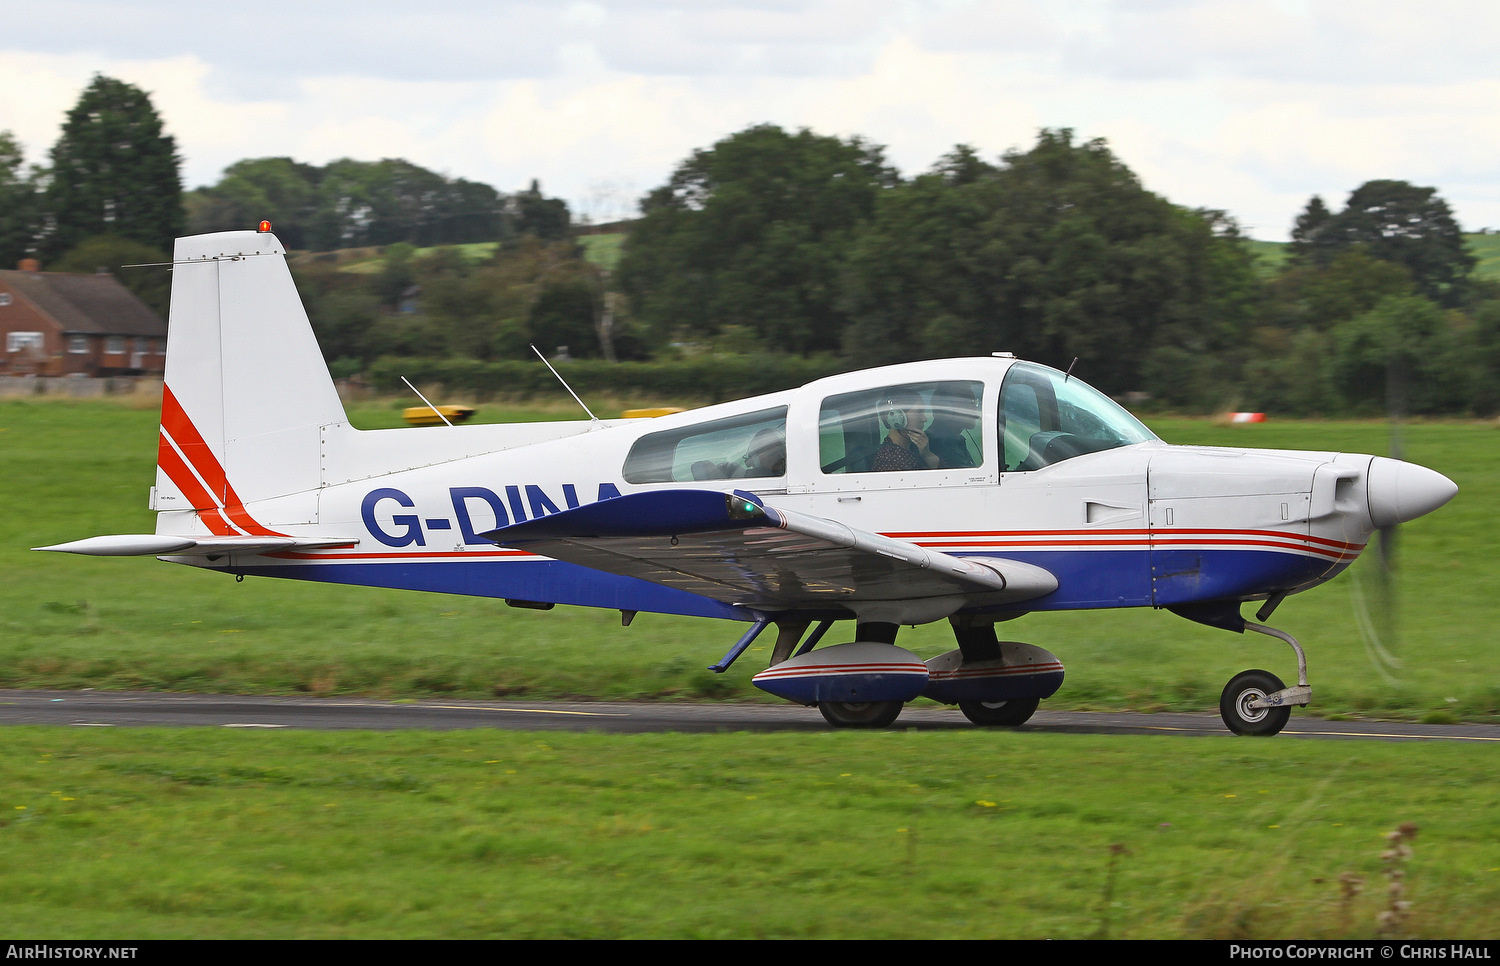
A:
<point x="1245" y="105"/>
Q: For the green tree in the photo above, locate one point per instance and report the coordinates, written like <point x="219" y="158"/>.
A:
<point x="348" y="203"/>
<point x="114" y="171"/>
<point x="1352" y="282"/>
<point x="1055" y="253"/>
<point x="20" y="205"/>
<point x="754" y="232"/>
<point x="1290" y="371"/>
<point x="1408" y="354"/>
<point x="492" y="309"/>
<point x="534" y="214"/>
<point x="1308" y="229"/>
<point x="1410" y="226"/>
<point x="279" y="189"/>
<point x="377" y="203"/>
<point x="1487" y="357"/>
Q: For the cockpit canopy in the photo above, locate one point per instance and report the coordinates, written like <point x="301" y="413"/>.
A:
<point x="1038" y="417"/>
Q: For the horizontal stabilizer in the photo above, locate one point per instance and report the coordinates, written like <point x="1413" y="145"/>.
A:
<point x="152" y="545"/>
<point x="734" y="548"/>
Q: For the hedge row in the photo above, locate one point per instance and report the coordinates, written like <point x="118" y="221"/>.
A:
<point x="714" y="379"/>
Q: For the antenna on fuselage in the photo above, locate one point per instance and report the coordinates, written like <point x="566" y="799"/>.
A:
<point x="564" y="382"/>
<point x="425" y="400"/>
<point x="1070" y="369"/>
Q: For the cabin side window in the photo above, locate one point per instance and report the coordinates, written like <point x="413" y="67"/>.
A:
<point x="915" y="426"/>
<point x="1046" y="418"/>
<point x="749" y="446"/>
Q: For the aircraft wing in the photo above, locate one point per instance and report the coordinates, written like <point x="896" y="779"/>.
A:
<point x="734" y="548"/>
<point x="153" y="544"/>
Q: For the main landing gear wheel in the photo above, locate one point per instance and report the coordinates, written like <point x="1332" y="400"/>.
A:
<point x="860" y="714"/>
<point x="1002" y="713"/>
<point x="1234" y="705"/>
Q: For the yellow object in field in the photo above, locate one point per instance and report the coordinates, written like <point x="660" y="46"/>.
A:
<point x="424" y="416"/>
<point x="650" y="413"/>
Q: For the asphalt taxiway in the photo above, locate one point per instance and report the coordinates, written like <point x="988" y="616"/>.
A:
<point x="130" y="709"/>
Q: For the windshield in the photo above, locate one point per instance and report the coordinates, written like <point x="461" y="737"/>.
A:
<point x="1046" y="418"/>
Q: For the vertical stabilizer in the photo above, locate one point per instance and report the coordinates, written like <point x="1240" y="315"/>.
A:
<point x="247" y="392"/>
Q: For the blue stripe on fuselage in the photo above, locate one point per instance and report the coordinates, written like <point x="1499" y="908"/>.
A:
<point x="547" y="581"/>
<point x="1086" y="579"/>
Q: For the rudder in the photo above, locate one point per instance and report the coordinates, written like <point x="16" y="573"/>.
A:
<point x="248" y="396"/>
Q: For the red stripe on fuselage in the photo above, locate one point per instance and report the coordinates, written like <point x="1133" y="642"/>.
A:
<point x="1117" y="535"/>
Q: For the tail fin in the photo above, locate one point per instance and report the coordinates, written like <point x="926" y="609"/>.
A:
<point x="247" y="394"/>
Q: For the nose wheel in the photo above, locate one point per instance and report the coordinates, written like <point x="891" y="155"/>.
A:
<point x="1245" y="707"/>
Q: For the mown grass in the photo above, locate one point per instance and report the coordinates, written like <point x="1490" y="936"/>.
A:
<point x="1270" y="258"/>
<point x="1486" y="252"/>
<point x="235" y="834"/>
<point x="75" y="469"/>
<point x="602" y="250"/>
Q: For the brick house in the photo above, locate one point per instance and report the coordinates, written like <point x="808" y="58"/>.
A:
<point x="59" y="324"/>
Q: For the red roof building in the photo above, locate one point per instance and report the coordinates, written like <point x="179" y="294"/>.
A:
<point x="59" y="323"/>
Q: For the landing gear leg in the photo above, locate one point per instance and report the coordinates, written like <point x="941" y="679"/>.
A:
<point x="978" y="643"/>
<point x="976" y="639"/>
<point x="788" y="634"/>
<point x="1256" y="702"/>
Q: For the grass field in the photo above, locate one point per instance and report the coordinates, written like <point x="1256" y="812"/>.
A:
<point x="1271" y="257"/>
<point x="601" y="250"/>
<point x="146" y="833"/>
<point x="1486" y="252"/>
<point x="982" y="834"/>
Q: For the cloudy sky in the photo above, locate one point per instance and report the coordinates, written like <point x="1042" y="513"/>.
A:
<point x="1246" y="105"/>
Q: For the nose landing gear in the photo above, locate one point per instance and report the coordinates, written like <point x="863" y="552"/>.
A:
<point x="1256" y="702"/>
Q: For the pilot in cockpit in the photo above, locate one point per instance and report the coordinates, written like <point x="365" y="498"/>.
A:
<point x="767" y="454"/>
<point x="953" y="435"/>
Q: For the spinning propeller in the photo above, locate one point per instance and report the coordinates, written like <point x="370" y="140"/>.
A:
<point x="1374" y="587"/>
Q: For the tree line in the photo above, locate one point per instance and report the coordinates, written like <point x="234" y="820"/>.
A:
<point x="794" y="242"/>
<point x="772" y="247"/>
<point x="112" y="195"/>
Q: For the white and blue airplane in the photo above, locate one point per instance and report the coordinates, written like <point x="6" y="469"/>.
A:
<point x="969" y="490"/>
